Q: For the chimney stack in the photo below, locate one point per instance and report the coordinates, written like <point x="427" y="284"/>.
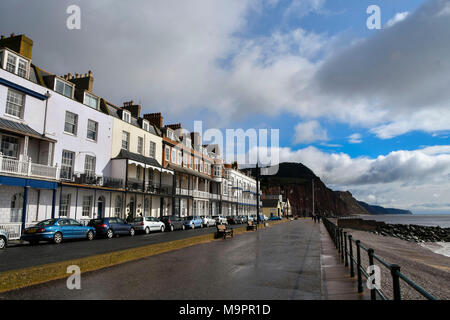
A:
<point x="155" y="119"/>
<point x="20" y="44"/>
<point x="135" y="109"/>
<point x="82" y="82"/>
<point x="196" y="139"/>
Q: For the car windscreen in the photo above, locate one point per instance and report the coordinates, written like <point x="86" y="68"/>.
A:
<point x="48" y="222"/>
<point x="94" y="222"/>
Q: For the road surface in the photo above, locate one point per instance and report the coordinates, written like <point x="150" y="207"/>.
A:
<point x="280" y="262"/>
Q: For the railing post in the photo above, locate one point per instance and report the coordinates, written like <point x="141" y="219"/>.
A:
<point x="342" y="244"/>
<point x="29" y="167"/>
<point x="345" y="250"/>
<point x="352" y="270"/>
<point x="373" y="294"/>
<point x="395" y="269"/>
<point x="338" y="240"/>
<point x="358" y="266"/>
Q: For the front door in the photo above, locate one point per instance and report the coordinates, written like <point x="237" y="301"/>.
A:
<point x="100" y="208"/>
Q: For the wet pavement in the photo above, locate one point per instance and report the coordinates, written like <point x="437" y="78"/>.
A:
<point x="279" y="262"/>
<point x="17" y="257"/>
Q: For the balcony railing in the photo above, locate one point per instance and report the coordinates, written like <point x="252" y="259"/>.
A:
<point x="27" y="168"/>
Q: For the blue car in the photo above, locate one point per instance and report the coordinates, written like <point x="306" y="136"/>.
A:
<point x="110" y="227"/>
<point x="193" y="222"/>
<point x="273" y="218"/>
<point x="57" y="230"/>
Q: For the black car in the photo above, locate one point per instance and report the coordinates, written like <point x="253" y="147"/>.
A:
<point x="110" y="227"/>
<point x="172" y="222"/>
<point x="234" y="220"/>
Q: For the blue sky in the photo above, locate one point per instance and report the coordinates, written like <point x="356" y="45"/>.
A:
<point x="366" y="110"/>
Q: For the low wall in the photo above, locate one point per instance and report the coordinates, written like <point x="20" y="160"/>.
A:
<point x="359" y="224"/>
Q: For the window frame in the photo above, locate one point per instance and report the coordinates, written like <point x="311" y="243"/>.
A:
<point x="126" y="116"/>
<point x="152" y="150"/>
<point x="140" y="145"/>
<point x="75" y="124"/>
<point x="167" y="153"/>
<point x="89" y="130"/>
<point x="127" y="141"/>
<point x="65" y="84"/>
<point x="90" y="171"/>
<point x="93" y="97"/>
<point x="84" y="206"/>
<point x="11" y="104"/>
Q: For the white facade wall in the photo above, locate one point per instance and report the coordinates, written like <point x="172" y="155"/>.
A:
<point x="34" y="111"/>
<point x="79" y="143"/>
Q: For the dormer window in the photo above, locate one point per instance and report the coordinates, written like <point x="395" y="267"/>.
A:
<point x="91" y="100"/>
<point x="126" y="116"/>
<point x="145" y="125"/>
<point x="14" y="64"/>
<point x="64" y="88"/>
<point x="170" y="134"/>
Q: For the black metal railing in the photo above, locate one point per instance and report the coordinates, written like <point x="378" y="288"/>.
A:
<point x="344" y="244"/>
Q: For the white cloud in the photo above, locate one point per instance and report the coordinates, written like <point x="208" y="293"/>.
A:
<point x="355" y="138"/>
<point x="404" y="178"/>
<point x="309" y="131"/>
<point x="397" y="18"/>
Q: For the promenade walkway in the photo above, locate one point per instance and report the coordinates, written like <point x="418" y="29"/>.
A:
<point x="336" y="281"/>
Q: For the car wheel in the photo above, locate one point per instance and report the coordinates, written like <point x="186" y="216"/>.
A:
<point x="193" y="226"/>
<point x="2" y="243"/>
<point x="147" y="230"/>
<point x="171" y="227"/>
<point x="90" y="235"/>
<point x="162" y="228"/>
<point x="132" y="232"/>
<point x="109" y="234"/>
<point x="57" y="238"/>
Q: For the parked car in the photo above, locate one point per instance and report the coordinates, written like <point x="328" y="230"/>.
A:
<point x="148" y="224"/>
<point x="234" y="220"/>
<point x="273" y="218"/>
<point x="244" y="219"/>
<point x="3" y="239"/>
<point x="110" y="227"/>
<point x="208" y="221"/>
<point x="252" y="217"/>
<point x="193" y="222"/>
<point x="220" y="220"/>
<point x="172" y="222"/>
<point x="57" y="230"/>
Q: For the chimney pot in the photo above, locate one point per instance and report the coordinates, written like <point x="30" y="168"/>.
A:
<point x="12" y="35"/>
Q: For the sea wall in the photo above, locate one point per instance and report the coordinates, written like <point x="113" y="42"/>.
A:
<point x="406" y="232"/>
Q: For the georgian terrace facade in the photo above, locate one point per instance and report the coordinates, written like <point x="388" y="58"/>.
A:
<point x="67" y="152"/>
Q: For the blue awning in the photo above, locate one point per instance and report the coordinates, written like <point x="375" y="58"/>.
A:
<point x="25" y="182"/>
<point x="22" y="89"/>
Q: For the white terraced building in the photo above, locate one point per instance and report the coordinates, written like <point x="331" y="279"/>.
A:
<point x="66" y="152"/>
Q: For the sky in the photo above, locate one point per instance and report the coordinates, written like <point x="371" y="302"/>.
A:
<point x="366" y="109"/>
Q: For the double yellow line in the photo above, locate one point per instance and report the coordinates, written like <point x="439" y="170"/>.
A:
<point x="25" y="277"/>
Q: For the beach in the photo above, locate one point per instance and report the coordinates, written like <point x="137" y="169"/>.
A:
<point x="428" y="269"/>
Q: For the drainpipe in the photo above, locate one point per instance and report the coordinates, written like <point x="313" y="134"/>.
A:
<point x="48" y="95"/>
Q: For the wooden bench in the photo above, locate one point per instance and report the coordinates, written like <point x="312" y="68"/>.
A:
<point x="252" y="226"/>
<point x="224" y="231"/>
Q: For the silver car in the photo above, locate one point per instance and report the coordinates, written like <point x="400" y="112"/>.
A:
<point x="3" y="239"/>
<point x="208" y="221"/>
<point x="220" y="220"/>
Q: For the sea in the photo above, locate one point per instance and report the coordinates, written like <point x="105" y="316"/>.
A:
<point x="430" y="220"/>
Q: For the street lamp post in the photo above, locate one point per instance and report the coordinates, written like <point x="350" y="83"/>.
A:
<point x="257" y="193"/>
